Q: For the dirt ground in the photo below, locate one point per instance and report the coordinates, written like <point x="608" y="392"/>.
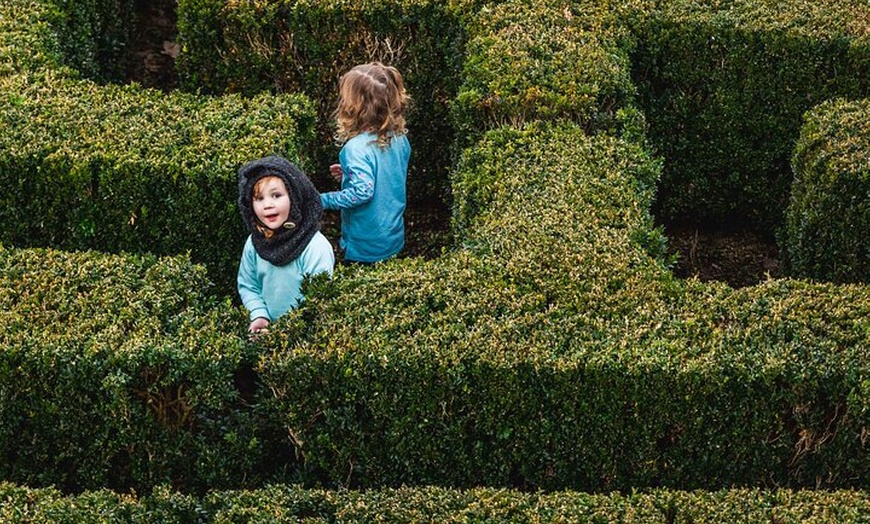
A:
<point x="740" y="258"/>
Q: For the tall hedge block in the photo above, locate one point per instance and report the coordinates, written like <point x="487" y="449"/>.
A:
<point x="28" y="41"/>
<point x="724" y="86"/>
<point x="121" y="168"/>
<point x="829" y="212"/>
<point x="543" y="61"/>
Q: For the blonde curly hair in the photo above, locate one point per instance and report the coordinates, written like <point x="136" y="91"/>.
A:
<point x="371" y="98"/>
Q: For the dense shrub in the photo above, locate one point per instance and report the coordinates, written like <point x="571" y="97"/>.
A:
<point x="27" y="39"/>
<point x="829" y="213"/>
<point x="551" y="349"/>
<point x="120" y="372"/>
<point x="554" y="352"/>
<point x="121" y="168"/>
<point x="94" y="35"/>
<point x="536" y="61"/>
<point x="724" y="86"/>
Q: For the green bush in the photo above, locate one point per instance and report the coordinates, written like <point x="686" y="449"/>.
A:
<point x="121" y="168"/>
<point x="829" y="213"/>
<point x="27" y="39"/>
<point x="553" y="352"/>
<point x="94" y="35"/>
<point x="724" y="86"/>
<point x="542" y="61"/>
<point x="120" y="372"/>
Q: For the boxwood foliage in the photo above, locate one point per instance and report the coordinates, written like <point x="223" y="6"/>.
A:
<point x="277" y="504"/>
<point x="120" y="372"/>
<point x="94" y="35"/>
<point x="122" y="168"/>
<point x="724" y="86"/>
<point x="540" y="60"/>
<point x="554" y="352"/>
<point x="829" y="212"/>
<point x="27" y="39"/>
<point x="305" y="46"/>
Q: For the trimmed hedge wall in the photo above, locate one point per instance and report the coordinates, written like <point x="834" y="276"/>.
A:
<point x="529" y="61"/>
<point x="27" y="42"/>
<point x="121" y="168"/>
<point x="550" y="349"/>
<point x="829" y="214"/>
<point x="305" y="46"/>
<point x="724" y="86"/>
<point x="120" y="372"/>
<point x="553" y="352"/>
<point x="289" y="504"/>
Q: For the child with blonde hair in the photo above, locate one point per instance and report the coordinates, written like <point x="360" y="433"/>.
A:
<point x="373" y="163"/>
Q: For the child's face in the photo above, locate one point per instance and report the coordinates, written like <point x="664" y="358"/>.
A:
<point x="272" y="203"/>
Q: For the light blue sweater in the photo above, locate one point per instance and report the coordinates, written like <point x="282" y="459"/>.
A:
<point x="268" y="290"/>
<point x="372" y="197"/>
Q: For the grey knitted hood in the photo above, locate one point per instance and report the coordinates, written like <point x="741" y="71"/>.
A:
<point x="288" y="242"/>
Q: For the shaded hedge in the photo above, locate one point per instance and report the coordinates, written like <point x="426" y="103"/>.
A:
<point x="551" y="349"/>
<point x="829" y="212"/>
<point x="724" y="86"/>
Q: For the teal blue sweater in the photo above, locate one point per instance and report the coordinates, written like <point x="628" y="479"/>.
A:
<point x="268" y="290"/>
<point x="372" y="197"/>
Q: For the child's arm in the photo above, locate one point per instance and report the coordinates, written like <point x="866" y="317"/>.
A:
<point x="318" y="257"/>
<point x="250" y="288"/>
<point x="358" y="187"/>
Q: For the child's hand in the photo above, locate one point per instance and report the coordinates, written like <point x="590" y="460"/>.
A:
<point x="335" y="171"/>
<point x="258" y="325"/>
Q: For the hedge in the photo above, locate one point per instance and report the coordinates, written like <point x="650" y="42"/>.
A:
<point x="724" y="86"/>
<point x="530" y="61"/>
<point x="551" y="349"/>
<point x="122" y="168"/>
<point x="585" y="365"/>
<point x="121" y="372"/>
<point x="428" y="504"/>
<point x="829" y="212"/>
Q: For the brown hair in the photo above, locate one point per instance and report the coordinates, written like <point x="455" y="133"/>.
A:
<point x="371" y="97"/>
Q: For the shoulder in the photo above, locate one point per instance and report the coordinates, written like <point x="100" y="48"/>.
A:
<point x="361" y="141"/>
<point x="318" y="253"/>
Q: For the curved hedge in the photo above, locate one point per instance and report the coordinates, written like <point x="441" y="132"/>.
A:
<point x="829" y="213"/>
<point x="724" y="86"/>
<point x="553" y="352"/>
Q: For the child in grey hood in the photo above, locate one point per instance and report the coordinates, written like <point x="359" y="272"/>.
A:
<point x="281" y="210"/>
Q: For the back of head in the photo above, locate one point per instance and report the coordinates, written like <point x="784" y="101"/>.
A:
<point x="372" y="98"/>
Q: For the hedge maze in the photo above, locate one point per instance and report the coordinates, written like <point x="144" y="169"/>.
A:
<point x="546" y="367"/>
